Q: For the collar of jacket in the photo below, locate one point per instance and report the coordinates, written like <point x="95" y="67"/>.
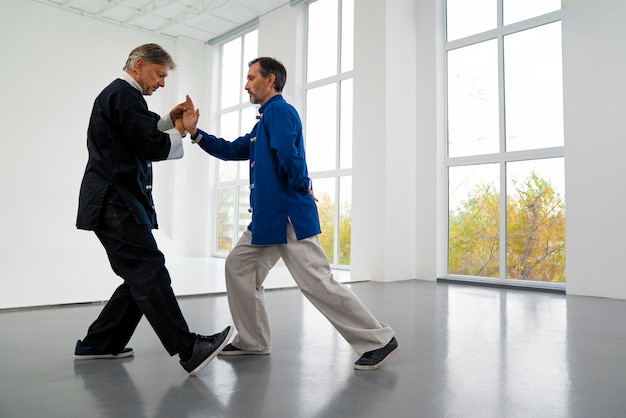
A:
<point x="278" y="97"/>
<point x="126" y="77"/>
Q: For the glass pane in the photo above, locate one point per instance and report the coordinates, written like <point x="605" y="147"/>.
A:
<point x="517" y="10"/>
<point x="322" y="40"/>
<point x="324" y="190"/>
<point x="229" y="128"/>
<point x="227" y="170"/>
<point x="229" y="125"/>
<point x="474" y="220"/>
<point x="232" y="78"/>
<point x="245" y="216"/>
<point x="473" y="121"/>
<point x="345" y="220"/>
<point x="225" y="205"/>
<point x="534" y="88"/>
<point x="250" y="52"/>
<point x="536" y="220"/>
<point x="321" y="128"/>
<point x="347" y="35"/>
<point x="465" y="18"/>
<point x="345" y="135"/>
<point x="248" y="119"/>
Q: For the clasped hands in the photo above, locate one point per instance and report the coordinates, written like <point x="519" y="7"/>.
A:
<point x="185" y="117"/>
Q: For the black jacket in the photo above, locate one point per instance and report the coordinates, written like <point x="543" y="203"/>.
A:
<point x="122" y="140"/>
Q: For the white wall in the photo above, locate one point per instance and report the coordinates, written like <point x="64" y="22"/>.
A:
<point x="396" y="137"/>
<point x="392" y="205"/>
<point x="54" y="63"/>
<point x="594" y="67"/>
<point x="369" y="162"/>
<point x="51" y="75"/>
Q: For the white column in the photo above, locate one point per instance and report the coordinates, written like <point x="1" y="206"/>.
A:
<point x="395" y="142"/>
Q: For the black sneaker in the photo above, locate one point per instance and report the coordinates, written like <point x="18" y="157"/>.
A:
<point x="205" y="349"/>
<point x="375" y="358"/>
<point x="231" y="350"/>
<point x="83" y="352"/>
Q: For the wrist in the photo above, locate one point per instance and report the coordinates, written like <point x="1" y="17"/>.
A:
<point x="196" y="136"/>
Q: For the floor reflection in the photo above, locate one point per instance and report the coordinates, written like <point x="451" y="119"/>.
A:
<point x="504" y="352"/>
<point x="465" y="351"/>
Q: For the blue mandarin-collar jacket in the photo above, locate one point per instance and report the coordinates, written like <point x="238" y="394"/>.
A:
<point x="279" y="180"/>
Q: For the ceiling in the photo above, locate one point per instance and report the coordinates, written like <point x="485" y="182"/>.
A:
<point x="202" y="20"/>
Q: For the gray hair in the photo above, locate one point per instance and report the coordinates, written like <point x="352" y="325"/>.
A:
<point x="152" y="53"/>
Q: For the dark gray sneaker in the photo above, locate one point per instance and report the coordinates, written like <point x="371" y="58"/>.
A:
<point x="231" y="350"/>
<point x="205" y="349"/>
<point x="83" y="352"/>
<point x="375" y="358"/>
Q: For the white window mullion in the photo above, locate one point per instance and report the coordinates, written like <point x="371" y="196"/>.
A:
<point x="502" y="138"/>
<point x="503" y="221"/>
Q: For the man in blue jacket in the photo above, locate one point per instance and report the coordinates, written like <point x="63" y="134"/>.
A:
<point x="285" y="223"/>
<point x="123" y="139"/>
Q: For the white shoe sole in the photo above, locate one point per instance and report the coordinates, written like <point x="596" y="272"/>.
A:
<point x="380" y="363"/>
<point x="244" y="353"/>
<point x="103" y="356"/>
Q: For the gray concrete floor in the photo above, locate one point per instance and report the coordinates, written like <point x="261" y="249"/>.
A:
<point x="465" y="351"/>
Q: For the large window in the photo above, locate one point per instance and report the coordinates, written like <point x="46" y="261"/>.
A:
<point x="328" y="121"/>
<point x="237" y="116"/>
<point x="505" y="142"/>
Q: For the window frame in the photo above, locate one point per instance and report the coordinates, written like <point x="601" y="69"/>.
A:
<point x="336" y="79"/>
<point x="502" y="157"/>
<point x="234" y="185"/>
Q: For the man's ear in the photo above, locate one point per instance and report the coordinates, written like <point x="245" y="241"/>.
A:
<point x="271" y="79"/>
<point x="139" y="64"/>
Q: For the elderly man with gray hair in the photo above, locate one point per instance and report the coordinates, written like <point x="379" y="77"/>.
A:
<point x="123" y="139"/>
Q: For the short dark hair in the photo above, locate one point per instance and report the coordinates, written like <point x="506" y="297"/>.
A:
<point x="272" y="66"/>
<point x="152" y="53"/>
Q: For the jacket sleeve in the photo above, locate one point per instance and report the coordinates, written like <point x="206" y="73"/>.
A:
<point x="285" y="132"/>
<point x="238" y="150"/>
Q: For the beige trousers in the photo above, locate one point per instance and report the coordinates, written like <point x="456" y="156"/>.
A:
<point x="248" y="265"/>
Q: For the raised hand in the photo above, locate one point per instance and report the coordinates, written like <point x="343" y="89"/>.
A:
<point x="190" y="117"/>
<point x="188" y="103"/>
<point x="178" y="124"/>
<point x="180" y="108"/>
<point x="178" y="111"/>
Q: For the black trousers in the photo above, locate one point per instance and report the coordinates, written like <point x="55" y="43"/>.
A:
<point x="146" y="290"/>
